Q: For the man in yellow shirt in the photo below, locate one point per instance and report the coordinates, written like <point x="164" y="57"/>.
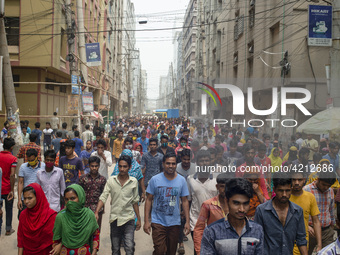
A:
<point x="312" y="145"/>
<point x="307" y="202"/>
<point x="118" y="145"/>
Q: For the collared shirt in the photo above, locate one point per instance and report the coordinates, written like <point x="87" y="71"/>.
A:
<point x="334" y="161"/>
<point x="104" y="165"/>
<point x="220" y="238"/>
<point x="7" y="161"/>
<point x="279" y="239"/>
<point x="325" y="203"/>
<point x="122" y="199"/>
<point x="211" y="211"/>
<point x="25" y="148"/>
<point x="53" y="185"/>
<point x="117" y="147"/>
<point x="29" y="173"/>
<point x="168" y="150"/>
<point x="93" y="188"/>
<point x="153" y="164"/>
<point x="331" y="249"/>
<point x="198" y="193"/>
<point x="145" y="143"/>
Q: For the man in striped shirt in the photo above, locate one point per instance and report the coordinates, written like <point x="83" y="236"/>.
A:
<point x="324" y="195"/>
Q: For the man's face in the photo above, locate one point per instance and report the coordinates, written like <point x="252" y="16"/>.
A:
<point x="298" y="182"/>
<point x="261" y="153"/>
<point x="309" y="137"/>
<point x="94" y="167"/>
<point x="238" y="206"/>
<point x="221" y="189"/>
<point x="276" y="153"/>
<point x="185" y="161"/>
<point x="143" y="135"/>
<point x="283" y="193"/>
<point x="164" y="141"/>
<point x="170" y="165"/>
<point x="186" y="134"/>
<point x="120" y="135"/>
<point x="233" y="149"/>
<point x="153" y="146"/>
<point x="335" y="150"/>
<point x="322" y="185"/>
<point x="48" y="126"/>
<point x="48" y="159"/>
<point x="24" y="131"/>
<point x="212" y="159"/>
<point x="304" y="157"/>
<point x="217" y="141"/>
<point x="249" y="156"/>
<point x="205" y="139"/>
<point x="123" y="167"/>
<point x="69" y="151"/>
<point x="100" y="148"/>
<point x="126" y="129"/>
<point x="210" y="133"/>
<point x="130" y="135"/>
<point x="267" y="141"/>
<point x="203" y="161"/>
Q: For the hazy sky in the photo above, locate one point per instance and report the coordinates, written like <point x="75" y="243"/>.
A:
<point x="156" y="49"/>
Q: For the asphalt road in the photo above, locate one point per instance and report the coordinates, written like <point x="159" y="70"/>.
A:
<point x="144" y="245"/>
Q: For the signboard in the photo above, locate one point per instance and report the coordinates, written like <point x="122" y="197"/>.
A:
<point x="93" y="54"/>
<point x="75" y="88"/>
<point x="72" y="104"/>
<point x="319" y="25"/>
<point x="88" y="102"/>
<point x="1" y="58"/>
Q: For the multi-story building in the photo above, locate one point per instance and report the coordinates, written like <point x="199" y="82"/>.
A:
<point x="260" y="45"/>
<point x="143" y="88"/>
<point x="39" y="40"/>
<point x="179" y="75"/>
<point x="189" y="56"/>
<point x="161" y="102"/>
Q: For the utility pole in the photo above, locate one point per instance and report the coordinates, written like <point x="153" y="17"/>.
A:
<point x="335" y="55"/>
<point x="81" y="38"/>
<point x="9" y="91"/>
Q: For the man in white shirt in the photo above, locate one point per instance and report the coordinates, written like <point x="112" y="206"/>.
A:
<point x="201" y="185"/>
<point x="105" y="158"/>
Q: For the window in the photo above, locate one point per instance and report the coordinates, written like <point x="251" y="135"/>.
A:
<point x="62" y="89"/>
<point x="16" y="78"/>
<point x="252" y="17"/>
<point x="12" y="25"/>
<point x="49" y="86"/>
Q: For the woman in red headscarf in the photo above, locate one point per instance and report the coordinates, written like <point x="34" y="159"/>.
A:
<point x="36" y="223"/>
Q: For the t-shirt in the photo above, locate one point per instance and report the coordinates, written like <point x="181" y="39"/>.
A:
<point x="167" y="194"/>
<point x="29" y="173"/>
<point x="38" y="132"/>
<point x="186" y="173"/>
<point x="71" y="168"/>
<point x="79" y="144"/>
<point x="7" y="160"/>
<point x="54" y="122"/>
<point x="63" y="133"/>
<point x="48" y="135"/>
<point x="310" y="144"/>
<point x="56" y="144"/>
<point x="308" y="203"/>
<point x="231" y="159"/>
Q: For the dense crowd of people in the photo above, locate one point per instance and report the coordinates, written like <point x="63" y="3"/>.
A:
<point x="235" y="191"/>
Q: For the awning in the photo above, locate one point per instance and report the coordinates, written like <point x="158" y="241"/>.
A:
<point x="98" y="116"/>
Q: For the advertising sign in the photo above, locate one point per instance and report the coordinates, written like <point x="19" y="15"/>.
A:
<point x="72" y="104"/>
<point x="88" y="102"/>
<point x="93" y="54"/>
<point x="319" y="25"/>
<point x="75" y="88"/>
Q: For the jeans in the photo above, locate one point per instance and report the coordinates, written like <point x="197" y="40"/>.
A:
<point x="126" y="233"/>
<point x="9" y="213"/>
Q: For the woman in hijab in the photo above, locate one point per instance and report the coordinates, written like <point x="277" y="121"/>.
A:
<point x="35" y="223"/>
<point x="75" y="230"/>
<point x="135" y="171"/>
<point x="276" y="163"/>
<point x="139" y="148"/>
<point x="291" y="154"/>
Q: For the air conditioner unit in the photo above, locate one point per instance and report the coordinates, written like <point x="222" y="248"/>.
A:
<point x="252" y="3"/>
<point x="104" y="100"/>
<point x="251" y="49"/>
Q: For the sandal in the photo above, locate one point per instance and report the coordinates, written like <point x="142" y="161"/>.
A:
<point x="8" y="233"/>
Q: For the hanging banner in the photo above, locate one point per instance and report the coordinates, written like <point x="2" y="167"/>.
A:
<point x="72" y="104"/>
<point x="75" y="87"/>
<point x="88" y="102"/>
<point x="93" y="54"/>
<point x="320" y="25"/>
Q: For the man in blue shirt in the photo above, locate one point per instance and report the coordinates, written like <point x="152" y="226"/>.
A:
<point x="236" y="234"/>
<point x="151" y="163"/>
<point x="333" y="156"/>
<point x="144" y="141"/>
<point x="282" y="220"/>
<point x="38" y="132"/>
<point x="164" y="192"/>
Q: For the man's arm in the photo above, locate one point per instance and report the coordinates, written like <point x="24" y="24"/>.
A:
<point x="317" y="231"/>
<point x="21" y="153"/>
<point x="200" y="226"/>
<point x="142" y="186"/>
<point x="147" y="212"/>
<point x="207" y="244"/>
<point x="12" y="181"/>
<point x="20" y="188"/>
<point x="185" y="206"/>
<point x="136" y="209"/>
<point x="301" y="241"/>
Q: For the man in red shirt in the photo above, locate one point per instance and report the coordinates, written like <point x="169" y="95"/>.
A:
<point x="8" y="164"/>
<point x="30" y="145"/>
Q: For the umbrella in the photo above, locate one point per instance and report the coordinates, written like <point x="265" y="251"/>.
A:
<point x="325" y="122"/>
